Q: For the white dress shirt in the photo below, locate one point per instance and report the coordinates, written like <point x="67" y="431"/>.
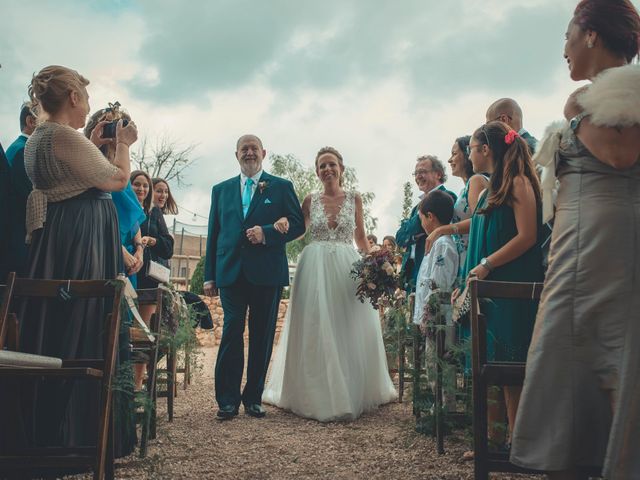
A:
<point x="440" y="266"/>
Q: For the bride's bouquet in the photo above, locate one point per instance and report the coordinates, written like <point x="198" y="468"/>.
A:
<point x="376" y="277"/>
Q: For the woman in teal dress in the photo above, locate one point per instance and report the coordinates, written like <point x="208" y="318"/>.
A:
<point x="504" y="245"/>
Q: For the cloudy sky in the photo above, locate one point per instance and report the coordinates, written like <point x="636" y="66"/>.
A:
<point x="383" y="81"/>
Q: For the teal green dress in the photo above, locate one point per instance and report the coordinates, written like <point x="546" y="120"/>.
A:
<point x="509" y="322"/>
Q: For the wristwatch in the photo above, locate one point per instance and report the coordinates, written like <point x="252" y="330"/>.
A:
<point x="486" y="264"/>
<point x="575" y="121"/>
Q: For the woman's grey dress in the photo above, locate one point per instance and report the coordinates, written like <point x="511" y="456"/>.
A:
<point x="585" y="342"/>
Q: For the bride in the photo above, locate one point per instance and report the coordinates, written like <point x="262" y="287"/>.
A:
<point x="330" y="363"/>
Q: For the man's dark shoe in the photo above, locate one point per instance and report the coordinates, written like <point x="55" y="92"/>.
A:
<point x="227" y="412"/>
<point x="255" y="410"/>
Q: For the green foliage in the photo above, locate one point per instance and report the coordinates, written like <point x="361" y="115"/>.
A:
<point x="179" y="334"/>
<point x="305" y="181"/>
<point x="398" y="328"/>
<point x="407" y="202"/>
<point x="197" y="279"/>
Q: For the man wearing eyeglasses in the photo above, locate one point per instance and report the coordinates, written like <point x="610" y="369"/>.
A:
<point x="19" y="189"/>
<point x="508" y="111"/>
<point x="429" y="175"/>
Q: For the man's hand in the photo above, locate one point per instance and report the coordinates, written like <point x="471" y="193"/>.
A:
<point x="210" y="289"/>
<point x="255" y="235"/>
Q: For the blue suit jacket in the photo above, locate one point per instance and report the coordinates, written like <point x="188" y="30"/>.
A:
<point x="229" y="252"/>
<point x="412" y="233"/>
<point x="19" y="189"/>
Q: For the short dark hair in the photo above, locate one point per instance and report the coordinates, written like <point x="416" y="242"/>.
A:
<point x="440" y="204"/>
<point x="25" y="111"/>
<point x="371" y="236"/>
<point x="617" y="23"/>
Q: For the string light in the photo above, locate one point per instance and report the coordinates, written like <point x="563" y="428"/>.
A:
<point x="195" y="215"/>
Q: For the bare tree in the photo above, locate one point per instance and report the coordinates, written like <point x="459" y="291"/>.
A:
<point x="167" y="159"/>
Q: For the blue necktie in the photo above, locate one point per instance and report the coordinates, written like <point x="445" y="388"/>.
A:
<point x="246" y="195"/>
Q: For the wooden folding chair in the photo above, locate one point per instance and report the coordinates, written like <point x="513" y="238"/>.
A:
<point x="487" y="374"/>
<point x="150" y="348"/>
<point x="98" y="457"/>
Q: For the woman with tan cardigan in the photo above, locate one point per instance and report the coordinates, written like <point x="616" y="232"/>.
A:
<point x="73" y="231"/>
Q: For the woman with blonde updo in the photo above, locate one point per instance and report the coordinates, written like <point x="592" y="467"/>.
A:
<point x="330" y="363"/>
<point x="73" y="233"/>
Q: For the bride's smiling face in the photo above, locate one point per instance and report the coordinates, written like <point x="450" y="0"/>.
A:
<point x="329" y="168"/>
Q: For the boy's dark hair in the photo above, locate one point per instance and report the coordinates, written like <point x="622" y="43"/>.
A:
<point x="440" y="204"/>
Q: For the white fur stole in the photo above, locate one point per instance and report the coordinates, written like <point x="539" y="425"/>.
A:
<point x="612" y="100"/>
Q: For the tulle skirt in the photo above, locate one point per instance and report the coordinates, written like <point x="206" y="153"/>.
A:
<point x="330" y="363"/>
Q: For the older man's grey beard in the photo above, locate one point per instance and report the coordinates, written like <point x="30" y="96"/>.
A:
<point x="250" y="167"/>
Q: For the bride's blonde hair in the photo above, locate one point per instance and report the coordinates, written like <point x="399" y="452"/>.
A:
<point x="335" y="153"/>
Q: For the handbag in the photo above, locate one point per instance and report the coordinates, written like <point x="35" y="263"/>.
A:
<point x="462" y="305"/>
<point x="158" y="272"/>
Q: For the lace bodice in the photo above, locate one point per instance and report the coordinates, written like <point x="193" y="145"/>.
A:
<point x="346" y="220"/>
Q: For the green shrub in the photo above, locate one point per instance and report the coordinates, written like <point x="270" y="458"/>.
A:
<point x="197" y="279"/>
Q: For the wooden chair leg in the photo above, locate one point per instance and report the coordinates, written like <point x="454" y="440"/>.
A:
<point x="154" y="413"/>
<point x="440" y="413"/>
<point x="480" y="402"/>
<point x="417" y="368"/>
<point x="171" y="386"/>
<point x="187" y="368"/>
<point x="150" y="404"/>
<point x="401" y="354"/>
<point x="109" y="473"/>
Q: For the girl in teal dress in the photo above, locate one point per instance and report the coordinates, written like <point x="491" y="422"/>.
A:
<point x="504" y="245"/>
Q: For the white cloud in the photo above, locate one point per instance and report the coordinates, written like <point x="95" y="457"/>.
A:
<point x="380" y="119"/>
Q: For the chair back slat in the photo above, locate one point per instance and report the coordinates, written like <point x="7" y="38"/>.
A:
<point x="25" y="287"/>
<point x="517" y="290"/>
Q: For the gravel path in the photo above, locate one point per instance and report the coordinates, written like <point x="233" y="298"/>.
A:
<point x="379" y="445"/>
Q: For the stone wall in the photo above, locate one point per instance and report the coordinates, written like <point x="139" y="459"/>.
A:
<point x="211" y="338"/>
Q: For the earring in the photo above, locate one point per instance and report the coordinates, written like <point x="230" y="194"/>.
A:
<point x="590" y="44"/>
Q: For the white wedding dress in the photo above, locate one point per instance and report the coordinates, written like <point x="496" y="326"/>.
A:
<point x="330" y="363"/>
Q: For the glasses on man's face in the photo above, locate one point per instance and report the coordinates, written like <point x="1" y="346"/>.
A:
<point x="421" y="172"/>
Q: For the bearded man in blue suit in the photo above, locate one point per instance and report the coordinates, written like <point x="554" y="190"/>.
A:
<point x="247" y="263"/>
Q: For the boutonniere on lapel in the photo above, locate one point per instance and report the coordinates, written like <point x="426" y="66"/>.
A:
<point x="262" y="185"/>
